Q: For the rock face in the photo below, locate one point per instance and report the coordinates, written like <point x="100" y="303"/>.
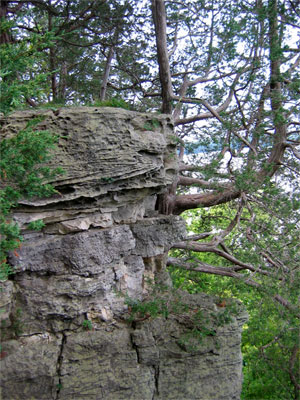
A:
<point x="64" y="329"/>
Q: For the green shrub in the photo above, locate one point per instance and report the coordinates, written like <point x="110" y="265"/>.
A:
<point x="114" y="102"/>
<point x="36" y="225"/>
<point x="23" y="174"/>
<point x="87" y="324"/>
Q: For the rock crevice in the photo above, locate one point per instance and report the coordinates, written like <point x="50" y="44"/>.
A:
<point x="59" y="365"/>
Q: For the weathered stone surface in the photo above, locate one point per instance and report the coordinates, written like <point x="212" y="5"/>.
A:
<point x="155" y="235"/>
<point x="115" y="162"/>
<point x="6" y="300"/>
<point x="108" y="370"/>
<point x="63" y="331"/>
<point x="147" y="360"/>
<point x="29" y="368"/>
<point x="86" y="271"/>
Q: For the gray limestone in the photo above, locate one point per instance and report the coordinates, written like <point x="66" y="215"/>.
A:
<point x="64" y="318"/>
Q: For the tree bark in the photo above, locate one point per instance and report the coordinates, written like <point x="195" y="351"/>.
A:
<point x="190" y="201"/>
<point x="278" y="115"/>
<point x="106" y="73"/>
<point x="160" y="25"/>
<point x="62" y="87"/>
<point x="276" y="88"/>
<point x="52" y="59"/>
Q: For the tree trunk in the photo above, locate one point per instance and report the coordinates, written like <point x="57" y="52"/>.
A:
<point x="275" y="85"/>
<point x="160" y="25"/>
<point x="106" y="73"/>
<point x="62" y="87"/>
<point x="191" y="201"/>
<point x="279" y="117"/>
<point x="5" y="36"/>
<point x="52" y="59"/>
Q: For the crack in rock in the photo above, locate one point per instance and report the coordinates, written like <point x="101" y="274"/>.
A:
<point x="59" y="364"/>
<point x="156" y="380"/>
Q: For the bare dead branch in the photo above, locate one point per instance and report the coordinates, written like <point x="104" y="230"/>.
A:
<point x="203" y="267"/>
<point x="210" y="247"/>
<point x="199" y="117"/>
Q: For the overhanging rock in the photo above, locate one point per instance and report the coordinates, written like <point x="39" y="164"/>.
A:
<point x="115" y="163"/>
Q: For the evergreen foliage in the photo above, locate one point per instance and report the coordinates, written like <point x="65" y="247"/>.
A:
<point x="23" y="174"/>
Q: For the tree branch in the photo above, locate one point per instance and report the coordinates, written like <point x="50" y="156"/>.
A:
<point x="222" y="271"/>
<point x="211" y="248"/>
<point x="199" y="117"/>
<point x="190" y="201"/>
<point x="188" y="181"/>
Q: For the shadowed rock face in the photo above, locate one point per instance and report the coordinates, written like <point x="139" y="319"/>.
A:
<point x="102" y="240"/>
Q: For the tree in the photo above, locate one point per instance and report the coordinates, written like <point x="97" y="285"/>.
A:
<point x="271" y="336"/>
<point x="252" y="153"/>
<point x="252" y="129"/>
<point x="246" y="130"/>
<point x="84" y="35"/>
<point x="22" y="175"/>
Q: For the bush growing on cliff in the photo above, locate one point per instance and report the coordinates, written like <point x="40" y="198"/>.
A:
<point x="23" y="174"/>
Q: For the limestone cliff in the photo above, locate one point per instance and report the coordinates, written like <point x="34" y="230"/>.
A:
<point x="64" y="329"/>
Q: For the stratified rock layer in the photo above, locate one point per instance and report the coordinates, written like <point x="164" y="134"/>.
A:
<point x="64" y="329"/>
